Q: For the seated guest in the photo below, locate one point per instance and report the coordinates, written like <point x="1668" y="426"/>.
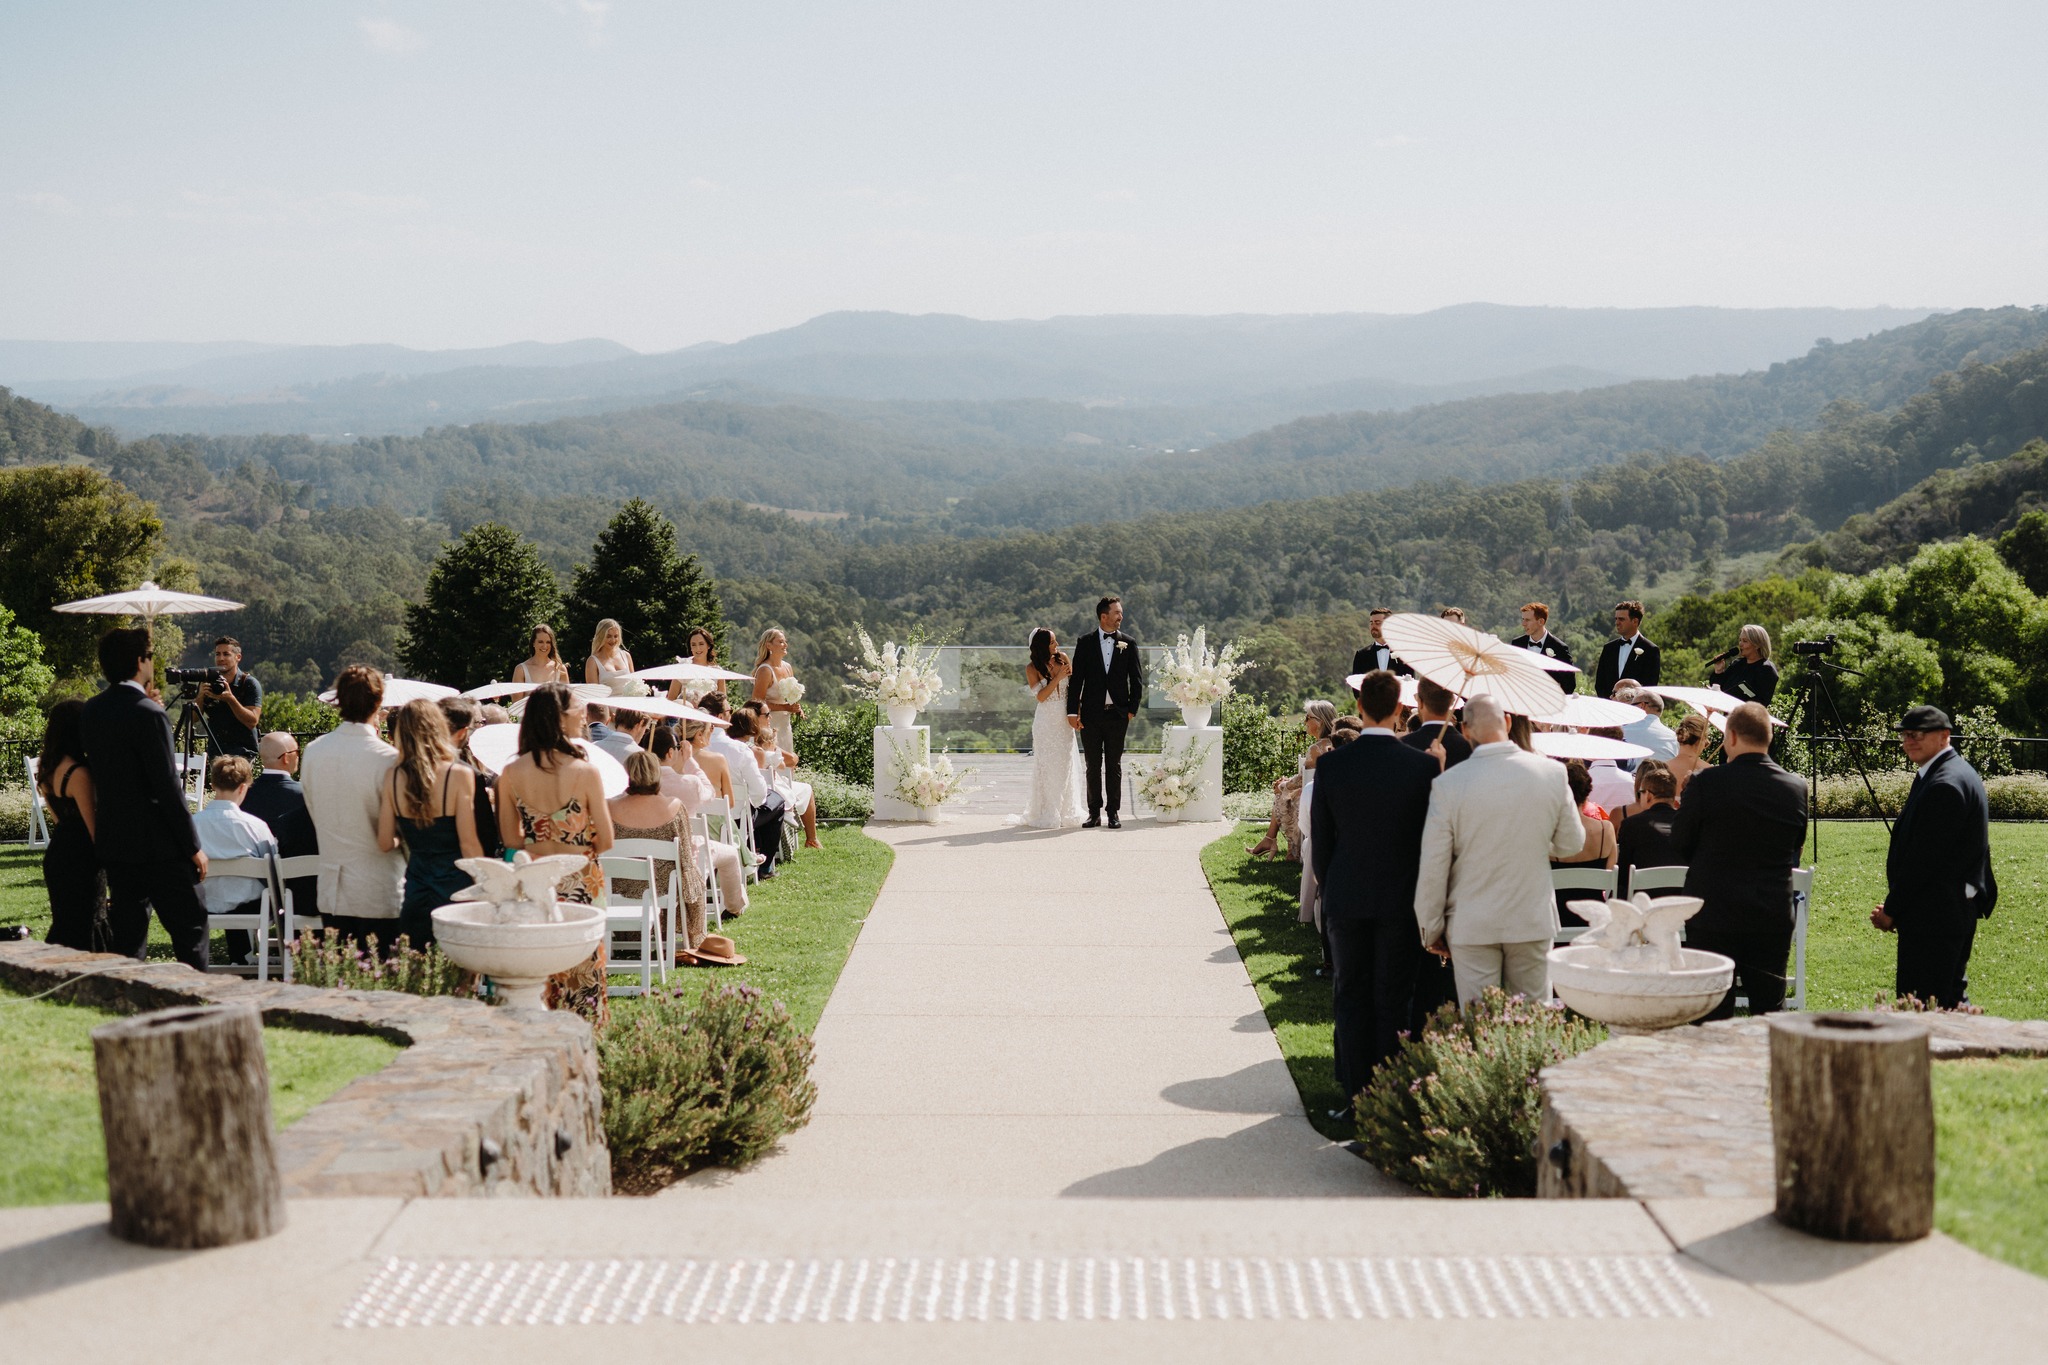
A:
<point x="1317" y="718"/>
<point x="1739" y="829"/>
<point x="1433" y="703"/>
<point x="1597" y="851"/>
<point x="462" y="715"/>
<point x="766" y="815"/>
<point x="362" y="883"/>
<point x="1692" y="735"/>
<point x="704" y="785"/>
<point x="625" y="736"/>
<point x="228" y="831"/>
<point x="643" y="811"/>
<point x="1651" y="732"/>
<point x="1617" y="814"/>
<point x="1645" y="839"/>
<point x="749" y="788"/>
<point x="1751" y="676"/>
<point x="1522" y="734"/>
<point x="1611" y="786"/>
<point x="277" y="799"/>
<point x="494" y="714"/>
<point x="427" y="809"/>
<point x="778" y="765"/>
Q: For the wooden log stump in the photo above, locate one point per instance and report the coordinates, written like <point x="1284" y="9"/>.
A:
<point x="185" y="1104"/>
<point x="1852" y="1122"/>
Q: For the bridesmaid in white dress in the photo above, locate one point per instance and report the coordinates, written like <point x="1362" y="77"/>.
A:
<point x="770" y="668"/>
<point x="1055" y="760"/>
<point x="609" y="662"/>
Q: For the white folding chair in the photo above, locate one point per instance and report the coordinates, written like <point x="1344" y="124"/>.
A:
<point x="1600" y="879"/>
<point x="291" y="923"/>
<point x="740" y="820"/>
<point x="699" y="835"/>
<point x="1656" y="879"/>
<point x="642" y="918"/>
<point x="257" y="923"/>
<point x="38" y="819"/>
<point x="1802" y="902"/>
<point x="668" y="899"/>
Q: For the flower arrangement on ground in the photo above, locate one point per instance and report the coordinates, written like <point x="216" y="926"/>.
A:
<point x="1175" y="783"/>
<point x="786" y="692"/>
<point x="1194" y="675"/>
<point x="929" y="782"/>
<point x="897" y="675"/>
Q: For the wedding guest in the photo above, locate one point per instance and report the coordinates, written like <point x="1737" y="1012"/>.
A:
<point x="706" y="788"/>
<point x="71" y="871"/>
<point x="1692" y="735"/>
<point x="1433" y="703"/>
<point x="1637" y="801"/>
<point x="1645" y="839"/>
<point x="544" y="661"/>
<point x="609" y="663"/>
<point x="1598" y="849"/>
<point x="1452" y="614"/>
<point x="462" y="715"/>
<point x="1378" y="653"/>
<point x="1522" y="734"/>
<point x="494" y="714"/>
<point x="1629" y="654"/>
<point x="1367" y="822"/>
<point x="1316" y="720"/>
<point x="744" y="771"/>
<point x="1739" y="830"/>
<point x="227" y="831"/>
<point x="771" y="666"/>
<point x="778" y="765"/>
<point x="1536" y="638"/>
<point x="142" y="831"/>
<point x="1938" y="878"/>
<point x="643" y="811"/>
<point x="1750" y="676"/>
<point x="551" y="800"/>
<point x="1611" y="787"/>
<point x="1650" y="732"/>
<point x="624" y="736"/>
<point x="277" y="799"/>
<point x="362" y="882"/>
<point x="1483" y="890"/>
<point x="428" y="809"/>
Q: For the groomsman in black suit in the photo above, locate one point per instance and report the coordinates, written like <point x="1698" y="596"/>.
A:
<point x="1628" y="654"/>
<point x="145" y="836"/>
<point x="1379" y="654"/>
<point x="1938" y="873"/>
<point x="1102" y="700"/>
<point x="1536" y="637"/>
<point x="1371" y="802"/>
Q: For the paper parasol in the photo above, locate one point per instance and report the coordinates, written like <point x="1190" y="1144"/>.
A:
<point x="495" y="746"/>
<point x="1472" y="663"/>
<point x="1566" y="744"/>
<point x="149" y="602"/>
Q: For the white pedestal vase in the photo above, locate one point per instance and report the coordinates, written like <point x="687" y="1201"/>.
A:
<point x="914" y="745"/>
<point x="902" y="717"/>
<point x="1177" y="740"/>
<point x="1196" y="717"/>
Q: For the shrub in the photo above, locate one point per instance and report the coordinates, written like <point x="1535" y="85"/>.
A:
<point x="840" y="739"/>
<point x="839" y="799"/>
<point x="328" y="961"/>
<point x="1455" y="1111"/>
<point x="297" y="712"/>
<point x="1257" y="748"/>
<point x="14" y="813"/>
<point x="2021" y="796"/>
<point x="714" y="1083"/>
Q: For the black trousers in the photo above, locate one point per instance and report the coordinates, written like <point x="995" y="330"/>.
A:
<point x="1760" y="958"/>
<point x="173" y="888"/>
<point x="1102" y="743"/>
<point x="1934" y="964"/>
<point x="1436" y="985"/>
<point x="1373" y="966"/>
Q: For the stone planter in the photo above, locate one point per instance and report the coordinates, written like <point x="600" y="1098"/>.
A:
<point x="518" y="958"/>
<point x="1634" y="1000"/>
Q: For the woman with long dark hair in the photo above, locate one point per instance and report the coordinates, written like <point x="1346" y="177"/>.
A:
<point x="427" y="808"/>
<point x="545" y="664"/>
<point x="1055" y="799"/>
<point x="71" y="870"/>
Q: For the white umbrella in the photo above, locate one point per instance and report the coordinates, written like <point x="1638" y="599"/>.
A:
<point x="495" y="746"/>
<point x="500" y="689"/>
<point x="399" y="691"/>
<point x="689" y="672"/>
<point x="662" y="706"/>
<point x="1719" y="720"/>
<point x="1594" y="713"/>
<point x="1698" y="698"/>
<point x="1408" y="697"/>
<point x="1550" y="665"/>
<point x="1566" y="744"/>
<point x="1472" y="663"/>
<point x="149" y="602"/>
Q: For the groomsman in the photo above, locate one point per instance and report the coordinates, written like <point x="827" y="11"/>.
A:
<point x="1379" y="654"/>
<point x="1628" y="654"/>
<point x="1537" y="639"/>
<point x="1938" y="873"/>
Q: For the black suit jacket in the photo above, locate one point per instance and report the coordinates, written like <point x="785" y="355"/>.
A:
<point x="141" y="805"/>
<point x="1367" y="659"/>
<point x="1738" y="831"/>
<point x="1552" y="648"/>
<point x="1093" y="690"/>
<point x="277" y="799"/>
<point x="1456" y="747"/>
<point x="1645" y="665"/>
<point x="1940" y="845"/>
<point x="1646" y="840"/>
<point x="1365" y="827"/>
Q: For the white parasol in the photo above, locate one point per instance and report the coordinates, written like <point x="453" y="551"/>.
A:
<point x="1408" y="698"/>
<point x="1698" y="698"/>
<point x="1719" y="720"/>
<point x="1473" y="664"/>
<point x="1550" y="665"/>
<point x="662" y="706"/>
<point x="399" y="691"/>
<point x="1566" y="744"/>
<point x="689" y="672"/>
<point x="149" y="602"/>
<point x="495" y="746"/>
<point x="500" y="689"/>
<point x="1594" y="713"/>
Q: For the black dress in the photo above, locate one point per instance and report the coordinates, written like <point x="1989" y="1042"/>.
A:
<point x="1747" y="681"/>
<point x="71" y="873"/>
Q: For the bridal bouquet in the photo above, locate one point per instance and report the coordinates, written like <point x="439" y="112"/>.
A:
<point x="630" y="687"/>
<point x="786" y="692"/>
<point x="1194" y="675"/>
<point x="897" y="675"/>
<point x="1175" y="783"/>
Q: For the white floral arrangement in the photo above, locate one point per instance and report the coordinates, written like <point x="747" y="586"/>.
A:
<point x="1175" y="783"/>
<point x="786" y="692"/>
<point x="927" y="782"/>
<point x="630" y="687"/>
<point x="897" y="675"/>
<point x="1194" y="675"/>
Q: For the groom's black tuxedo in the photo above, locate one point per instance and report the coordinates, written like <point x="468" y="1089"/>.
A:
<point x="1105" y="698"/>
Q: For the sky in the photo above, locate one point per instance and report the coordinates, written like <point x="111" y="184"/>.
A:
<point x="666" y="172"/>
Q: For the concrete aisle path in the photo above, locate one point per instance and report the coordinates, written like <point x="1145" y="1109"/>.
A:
<point x="1031" y="1014"/>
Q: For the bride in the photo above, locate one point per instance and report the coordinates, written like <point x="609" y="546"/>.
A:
<point x="1055" y="768"/>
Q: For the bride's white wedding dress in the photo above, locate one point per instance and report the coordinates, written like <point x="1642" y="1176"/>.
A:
<point x="1055" y="767"/>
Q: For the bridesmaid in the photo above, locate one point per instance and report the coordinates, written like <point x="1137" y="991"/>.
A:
<point x="771" y="666"/>
<point x="544" y="664"/>
<point x="608" y="657"/>
<point x="71" y="870"/>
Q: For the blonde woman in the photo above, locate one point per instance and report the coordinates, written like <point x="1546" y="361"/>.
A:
<point x="544" y="664"/>
<point x="428" y="809"/>
<point x="690" y="763"/>
<point x="608" y="662"/>
<point x="1693" y="733"/>
<point x="771" y="666"/>
<point x="645" y="811"/>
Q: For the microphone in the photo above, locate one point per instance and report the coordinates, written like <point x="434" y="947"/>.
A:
<point x="1724" y="654"/>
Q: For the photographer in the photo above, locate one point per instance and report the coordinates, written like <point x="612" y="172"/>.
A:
<point x="1751" y="676"/>
<point x="231" y="702"/>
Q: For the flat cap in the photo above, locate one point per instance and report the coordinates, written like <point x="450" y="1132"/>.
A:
<point x="1925" y="718"/>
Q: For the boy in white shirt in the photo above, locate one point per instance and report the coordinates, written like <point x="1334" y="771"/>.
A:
<point x="228" y="831"/>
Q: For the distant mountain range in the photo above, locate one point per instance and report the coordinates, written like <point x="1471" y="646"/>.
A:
<point x="1232" y="374"/>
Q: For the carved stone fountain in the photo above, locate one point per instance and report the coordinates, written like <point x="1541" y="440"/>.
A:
<point x="1628" y="970"/>
<point x="510" y="927"/>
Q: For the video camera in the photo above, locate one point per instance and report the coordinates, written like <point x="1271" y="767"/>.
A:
<point x="188" y="681"/>
<point x="1815" y="647"/>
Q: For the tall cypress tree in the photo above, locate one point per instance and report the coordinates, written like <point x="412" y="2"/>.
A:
<point x="485" y="594"/>
<point x="639" y="577"/>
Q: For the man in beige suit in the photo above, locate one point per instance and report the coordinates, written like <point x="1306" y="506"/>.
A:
<point x="344" y="772"/>
<point x="1495" y="822"/>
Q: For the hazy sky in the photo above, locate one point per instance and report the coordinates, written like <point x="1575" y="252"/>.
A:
<point x="443" y="174"/>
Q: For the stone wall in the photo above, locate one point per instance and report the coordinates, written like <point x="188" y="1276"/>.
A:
<point x="483" y="1101"/>
<point x="1686" y="1113"/>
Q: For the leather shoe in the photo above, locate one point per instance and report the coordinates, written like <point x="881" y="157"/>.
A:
<point x="1092" y="822"/>
<point x="1115" y="823"/>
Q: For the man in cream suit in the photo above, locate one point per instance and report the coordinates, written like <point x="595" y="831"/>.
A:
<point x="1495" y="822"/>
<point x="344" y="772"/>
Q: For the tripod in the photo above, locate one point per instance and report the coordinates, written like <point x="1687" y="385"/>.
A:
<point x="191" y="723"/>
<point x="1813" y="694"/>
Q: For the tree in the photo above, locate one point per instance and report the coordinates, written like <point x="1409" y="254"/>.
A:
<point x="638" y="577"/>
<point x="2025" y="549"/>
<point x="485" y="593"/>
<point x="24" y="678"/>
<point x="68" y="531"/>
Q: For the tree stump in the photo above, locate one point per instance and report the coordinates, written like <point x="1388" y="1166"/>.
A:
<point x="1852" y="1122"/>
<point x="185" y="1104"/>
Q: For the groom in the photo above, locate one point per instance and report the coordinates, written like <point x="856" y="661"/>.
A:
<point x="1102" y="701"/>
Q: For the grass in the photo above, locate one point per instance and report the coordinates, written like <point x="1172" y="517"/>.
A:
<point x="1991" y="1183"/>
<point x="49" y="1102"/>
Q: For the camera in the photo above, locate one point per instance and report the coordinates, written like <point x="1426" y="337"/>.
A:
<point x="1814" y="646"/>
<point x="188" y="681"/>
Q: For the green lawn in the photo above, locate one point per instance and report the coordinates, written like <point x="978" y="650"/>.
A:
<point x="49" y="1106"/>
<point x="1991" y="1187"/>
